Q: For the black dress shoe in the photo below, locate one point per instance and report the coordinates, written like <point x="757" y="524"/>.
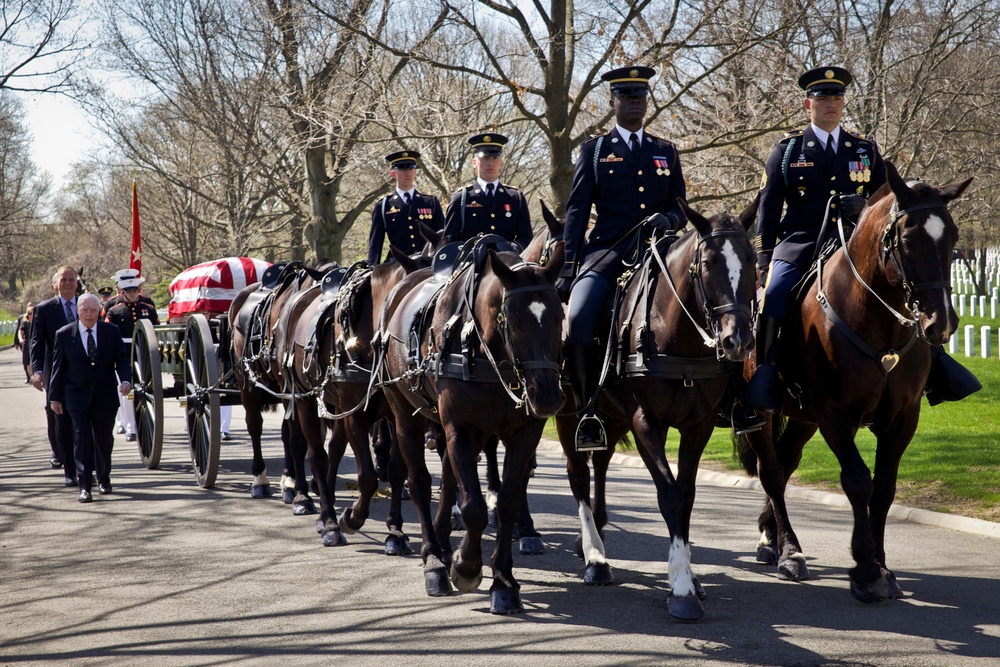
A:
<point x="130" y="437"/>
<point x="104" y="488"/>
<point x="590" y="436"/>
<point x="85" y="496"/>
<point x="69" y="481"/>
<point x="55" y="463"/>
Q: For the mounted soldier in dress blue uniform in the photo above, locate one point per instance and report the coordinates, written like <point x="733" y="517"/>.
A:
<point x="398" y="214"/>
<point x="821" y="172"/>
<point x="629" y="176"/>
<point x="488" y="206"/>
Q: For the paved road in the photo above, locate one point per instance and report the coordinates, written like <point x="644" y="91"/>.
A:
<point x="165" y="573"/>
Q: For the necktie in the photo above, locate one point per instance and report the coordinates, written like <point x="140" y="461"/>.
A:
<point x="406" y="198"/>
<point x="70" y="317"/>
<point x="831" y="152"/>
<point x="91" y="346"/>
<point x="633" y="143"/>
<point x="489" y="192"/>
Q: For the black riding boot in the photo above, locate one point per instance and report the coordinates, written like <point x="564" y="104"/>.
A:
<point x="949" y="380"/>
<point x="583" y="377"/>
<point x="762" y="393"/>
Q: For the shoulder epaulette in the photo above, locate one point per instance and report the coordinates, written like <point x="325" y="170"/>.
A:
<point x="855" y="134"/>
<point x="790" y="135"/>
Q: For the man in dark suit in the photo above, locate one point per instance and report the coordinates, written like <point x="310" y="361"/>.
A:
<point x="86" y="357"/>
<point x="51" y="315"/>
<point x="628" y="175"/>
<point x="488" y="206"/>
<point x="398" y="214"/>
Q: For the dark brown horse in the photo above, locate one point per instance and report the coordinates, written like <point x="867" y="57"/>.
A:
<point x="498" y="320"/>
<point x="671" y="372"/>
<point x="858" y="355"/>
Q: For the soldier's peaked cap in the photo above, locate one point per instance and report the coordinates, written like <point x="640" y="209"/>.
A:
<point x="487" y="143"/>
<point x="825" y="81"/>
<point x="403" y="159"/>
<point x="629" y="80"/>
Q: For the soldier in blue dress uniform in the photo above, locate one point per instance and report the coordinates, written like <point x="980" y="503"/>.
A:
<point x="819" y="172"/>
<point x="629" y="176"/>
<point x="398" y="214"/>
<point x="488" y="206"/>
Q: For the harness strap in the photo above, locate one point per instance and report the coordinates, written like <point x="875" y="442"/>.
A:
<point x="887" y="359"/>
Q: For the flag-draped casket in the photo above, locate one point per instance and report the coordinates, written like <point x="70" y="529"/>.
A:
<point x="210" y="287"/>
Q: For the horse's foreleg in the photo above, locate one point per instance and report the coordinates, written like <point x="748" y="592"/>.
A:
<point x="444" y="520"/>
<point x="354" y="517"/>
<point x="261" y="487"/>
<point x="396" y="542"/>
<point x="490" y="451"/>
<point x="312" y="430"/>
<point x="463" y="450"/>
<point x="302" y="504"/>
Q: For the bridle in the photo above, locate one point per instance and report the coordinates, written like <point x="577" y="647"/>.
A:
<point x="712" y="314"/>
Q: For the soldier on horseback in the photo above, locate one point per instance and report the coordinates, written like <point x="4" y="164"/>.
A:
<point x="629" y="175"/>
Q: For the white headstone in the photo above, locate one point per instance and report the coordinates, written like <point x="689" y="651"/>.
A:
<point x="984" y="342"/>
<point x="961" y="305"/>
<point x="982" y="306"/>
<point x="953" y="345"/>
<point x="993" y="307"/>
<point x="970" y="339"/>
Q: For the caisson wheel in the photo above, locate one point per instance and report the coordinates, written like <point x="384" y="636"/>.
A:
<point x="201" y="377"/>
<point x="147" y="393"/>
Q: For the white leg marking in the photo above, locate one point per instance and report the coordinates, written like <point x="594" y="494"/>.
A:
<point x="733" y="265"/>
<point x="593" y="547"/>
<point x="261" y="480"/>
<point x="537" y="309"/>
<point x="491" y="500"/>
<point x="764" y="542"/>
<point x="934" y="226"/>
<point x="287" y="482"/>
<point x="679" y="569"/>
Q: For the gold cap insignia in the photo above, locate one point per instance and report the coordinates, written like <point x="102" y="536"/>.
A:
<point x="829" y="74"/>
<point x="486" y="138"/>
<point x="405" y="154"/>
<point x="633" y="73"/>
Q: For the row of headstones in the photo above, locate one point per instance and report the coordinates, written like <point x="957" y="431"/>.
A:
<point x="969" y="338"/>
<point x="7" y="327"/>
<point x="973" y="306"/>
<point x="961" y="278"/>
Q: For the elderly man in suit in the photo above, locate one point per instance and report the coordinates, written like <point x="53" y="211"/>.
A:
<point x="51" y="315"/>
<point x="86" y="356"/>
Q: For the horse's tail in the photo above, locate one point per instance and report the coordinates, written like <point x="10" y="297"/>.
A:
<point x="744" y="453"/>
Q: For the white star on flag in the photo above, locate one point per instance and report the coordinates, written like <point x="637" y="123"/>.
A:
<point x="136" y="255"/>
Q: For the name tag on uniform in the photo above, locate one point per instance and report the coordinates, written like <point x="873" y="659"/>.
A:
<point x="473" y="204"/>
<point x="612" y="158"/>
<point x="801" y="164"/>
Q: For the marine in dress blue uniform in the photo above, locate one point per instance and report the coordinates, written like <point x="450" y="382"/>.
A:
<point x="628" y="176"/>
<point x="398" y="215"/>
<point x="488" y="206"/>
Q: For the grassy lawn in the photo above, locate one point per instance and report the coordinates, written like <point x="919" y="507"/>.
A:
<point x="952" y="464"/>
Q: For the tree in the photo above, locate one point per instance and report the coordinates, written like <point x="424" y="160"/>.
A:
<point x="40" y="45"/>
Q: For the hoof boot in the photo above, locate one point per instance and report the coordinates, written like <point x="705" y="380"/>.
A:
<point x="436" y="582"/>
<point x="504" y="601"/>
<point x="598" y="574"/>
<point x="288" y="496"/>
<point x="397" y="545"/>
<point x="686" y="608"/>
<point x="261" y="492"/>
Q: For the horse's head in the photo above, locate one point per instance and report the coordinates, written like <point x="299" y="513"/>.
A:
<point x="917" y="247"/>
<point x="543" y="242"/>
<point x="528" y="317"/>
<point x="724" y="278"/>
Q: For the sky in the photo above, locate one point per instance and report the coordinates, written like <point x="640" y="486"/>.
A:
<point x="60" y="134"/>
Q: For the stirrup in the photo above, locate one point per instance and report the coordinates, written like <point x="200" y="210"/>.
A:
<point x="586" y="442"/>
<point x="745" y="419"/>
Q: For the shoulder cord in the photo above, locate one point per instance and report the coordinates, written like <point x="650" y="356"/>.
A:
<point x="787" y="158"/>
<point x="597" y="156"/>
<point x="461" y="231"/>
<point x="385" y="223"/>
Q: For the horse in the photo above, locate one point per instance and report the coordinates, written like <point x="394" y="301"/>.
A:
<point x="492" y="328"/>
<point x="858" y="354"/>
<point x="670" y="372"/>
<point x="253" y="315"/>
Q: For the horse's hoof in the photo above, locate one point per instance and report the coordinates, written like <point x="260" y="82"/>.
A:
<point x="260" y="492"/>
<point x="873" y="591"/>
<point x="793" y="569"/>
<point x="505" y="601"/>
<point x="767" y="554"/>
<point x="345" y="521"/>
<point x="699" y="590"/>
<point x="456" y="520"/>
<point x="397" y="545"/>
<point x="531" y="546"/>
<point x="334" y="538"/>
<point x="493" y="520"/>
<point x="320" y="526"/>
<point x="598" y="574"/>
<point x="465" y="584"/>
<point x="288" y="496"/>
<point x="685" y="608"/>
<point x="436" y="582"/>
<point x="895" y="592"/>
<point x="303" y="506"/>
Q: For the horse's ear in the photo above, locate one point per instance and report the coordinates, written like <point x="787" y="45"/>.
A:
<point x="557" y="258"/>
<point x="404" y="260"/>
<point x="554" y="225"/>
<point x="429" y="234"/>
<point x="500" y="270"/>
<point x="695" y="218"/>
<point x="749" y="214"/>
<point x="897" y="184"/>
<point x="954" y="190"/>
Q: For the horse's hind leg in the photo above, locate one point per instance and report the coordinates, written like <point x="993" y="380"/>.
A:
<point x="529" y="540"/>
<point x="490" y="451"/>
<point x="789" y="452"/>
<point x="353" y="518"/>
<point x="312" y="430"/>
<point x="261" y="487"/>
<point x="302" y="504"/>
<point x="396" y="542"/>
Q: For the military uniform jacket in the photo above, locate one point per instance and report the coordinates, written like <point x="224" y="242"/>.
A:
<point x="507" y="216"/>
<point x="119" y="298"/>
<point x="811" y="181"/>
<point x="625" y="188"/>
<point x="125" y="315"/>
<point x="393" y="217"/>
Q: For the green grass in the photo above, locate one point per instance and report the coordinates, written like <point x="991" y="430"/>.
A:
<point x="952" y="464"/>
<point x="9" y="338"/>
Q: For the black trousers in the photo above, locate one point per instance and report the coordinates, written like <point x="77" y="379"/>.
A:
<point x="93" y="440"/>
<point x="60" y="428"/>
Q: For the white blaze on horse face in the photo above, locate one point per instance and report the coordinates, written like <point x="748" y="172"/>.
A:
<point x="732" y="265"/>
<point x="593" y="546"/>
<point x="679" y="569"/>
<point x="934" y="226"/>
<point x="537" y="309"/>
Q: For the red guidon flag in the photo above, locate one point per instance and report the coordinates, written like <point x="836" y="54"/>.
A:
<point x="136" y="258"/>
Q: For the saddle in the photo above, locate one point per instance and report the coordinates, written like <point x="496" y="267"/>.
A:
<point x="337" y="304"/>
<point x="254" y="318"/>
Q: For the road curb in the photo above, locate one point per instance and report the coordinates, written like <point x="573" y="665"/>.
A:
<point x="898" y="512"/>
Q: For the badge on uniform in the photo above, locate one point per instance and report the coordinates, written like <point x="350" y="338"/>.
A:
<point x="661" y="165"/>
<point x="612" y="158"/>
<point x="506" y="207"/>
<point x="393" y="210"/>
<point x="473" y="204"/>
<point x="424" y="213"/>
